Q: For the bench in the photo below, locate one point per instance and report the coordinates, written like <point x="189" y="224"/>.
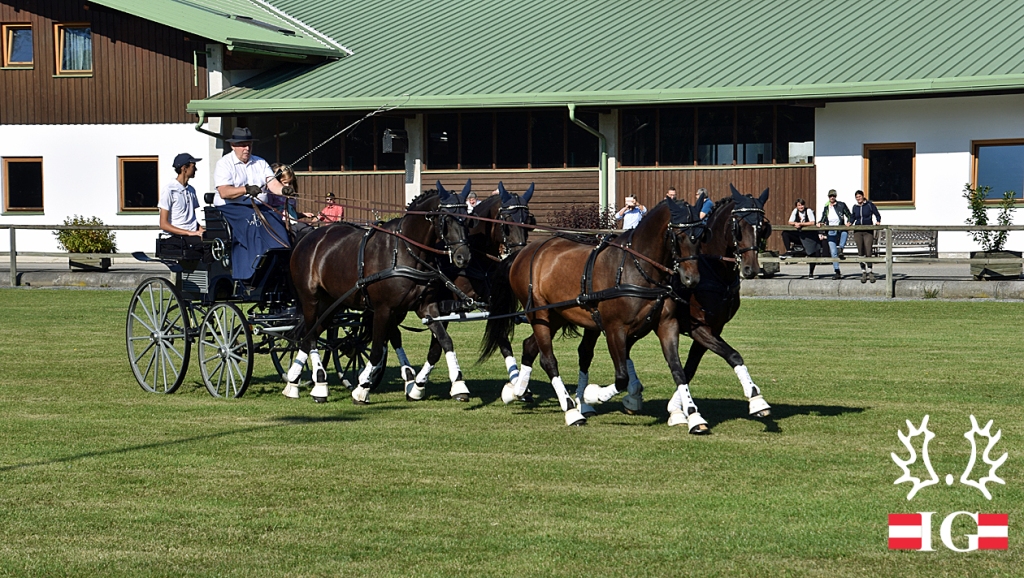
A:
<point x="908" y="243"/>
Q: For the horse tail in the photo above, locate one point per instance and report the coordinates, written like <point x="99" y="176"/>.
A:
<point x="503" y="304"/>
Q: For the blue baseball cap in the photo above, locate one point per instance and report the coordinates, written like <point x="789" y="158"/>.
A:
<point x="184" y="159"/>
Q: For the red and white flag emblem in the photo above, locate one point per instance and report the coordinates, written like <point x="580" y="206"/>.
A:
<point x="905" y="531"/>
<point x="992" y="531"/>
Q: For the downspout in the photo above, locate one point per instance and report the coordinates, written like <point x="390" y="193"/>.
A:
<point x="202" y="121"/>
<point x="603" y="167"/>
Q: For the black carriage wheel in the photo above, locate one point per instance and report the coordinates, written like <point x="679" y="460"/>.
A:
<point x="156" y="336"/>
<point x="350" y="337"/>
<point x="225" y="351"/>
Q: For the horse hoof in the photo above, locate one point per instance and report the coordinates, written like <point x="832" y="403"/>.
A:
<point x="360" y="402"/>
<point x="361" y="396"/>
<point x="633" y="404"/>
<point x="508" y="394"/>
<point x="320" y="399"/>
<point x="700" y="430"/>
<point x="676" y="418"/>
<point x="759" y="407"/>
<point x="526" y="397"/>
<point x="586" y="409"/>
<point x="463" y="397"/>
<point x="414" y="392"/>
<point x="574" y="418"/>
<point x="291" y="391"/>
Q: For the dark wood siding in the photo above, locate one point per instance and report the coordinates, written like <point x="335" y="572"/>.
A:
<point x="554" y="190"/>
<point x="384" y="192"/>
<point x="142" y="71"/>
<point x="785" y="183"/>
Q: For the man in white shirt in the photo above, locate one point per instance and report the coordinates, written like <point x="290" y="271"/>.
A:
<point x="178" y="201"/>
<point x="631" y="214"/>
<point x="240" y="173"/>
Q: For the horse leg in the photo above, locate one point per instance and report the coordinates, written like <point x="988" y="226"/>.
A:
<point x="681" y="407"/>
<point x="704" y="339"/>
<point x="406" y="370"/>
<point x="586" y="355"/>
<point x="371" y="375"/>
<point x="518" y="389"/>
<point x="595" y="394"/>
<point x="417" y="389"/>
<point x="291" y="388"/>
<point x="458" y="391"/>
<point x="309" y="315"/>
<point x="633" y="402"/>
<point x="513" y="371"/>
<point x="542" y="332"/>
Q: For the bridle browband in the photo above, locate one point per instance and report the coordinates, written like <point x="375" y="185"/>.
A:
<point x="744" y="214"/>
<point x="439" y="219"/>
<point x="507" y="214"/>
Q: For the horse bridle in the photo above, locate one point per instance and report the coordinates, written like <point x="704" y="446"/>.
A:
<point x="440" y="220"/>
<point x="696" y="231"/>
<point x="745" y="214"/>
<point x="518" y="214"/>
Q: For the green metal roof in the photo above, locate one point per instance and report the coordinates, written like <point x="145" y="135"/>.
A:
<point x="242" y="25"/>
<point x="495" y="53"/>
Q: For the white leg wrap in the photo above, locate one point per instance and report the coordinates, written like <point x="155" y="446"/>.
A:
<point x="361" y="394"/>
<point x="508" y="394"/>
<point x="595" y="394"/>
<point x="424" y="374"/>
<point x="319" y="375"/>
<point x="295" y="371"/>
<point x="681" y="400"/>
<point x="406" y="370"/>
<point x="364" y="375"/>
<point x="749" y="388"/>
<point x="513" y="368"/>
<point x="453" y="366"/>
<point x="524" y="381"/>
<point x="757" y="404"/>
<point x="562" y="394"/>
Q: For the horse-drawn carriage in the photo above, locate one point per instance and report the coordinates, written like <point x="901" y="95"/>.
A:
<point x="227" y="320"/>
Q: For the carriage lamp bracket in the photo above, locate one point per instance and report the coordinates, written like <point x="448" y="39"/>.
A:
<point x="219" y="252"/>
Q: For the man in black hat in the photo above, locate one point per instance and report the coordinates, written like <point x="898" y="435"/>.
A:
<point x="178" y="201"/>
<point x="244" y="182"/>
<point x="240" y="174"/>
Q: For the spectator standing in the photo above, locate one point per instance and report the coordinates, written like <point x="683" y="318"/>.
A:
<point x="862" y="214"/>
<point x="801" y="217"/>
<point x="631" y="214"/>
<point x="835" y="214"/>
<point x="704" y="202"/>
<point x="178" y="201"/>
<point x="471" y="202"/>
<point x="671" y="194"/>
<point x="331" y="213"/>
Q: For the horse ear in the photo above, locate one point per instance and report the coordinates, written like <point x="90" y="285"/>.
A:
<point x="736" y="194"/>
<point x="505" y="197"/>
<point x="764" y="197"/>
<point x="529" y="193"/>
<point x="441" y="191"/>
<point x="466" y="189"/>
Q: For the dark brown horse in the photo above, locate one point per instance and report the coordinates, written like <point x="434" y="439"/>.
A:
<point x="388" y="270"/>
<point x="490" y="242"/>
<point x="621" y="287"/>
<point x="738" y="229"/>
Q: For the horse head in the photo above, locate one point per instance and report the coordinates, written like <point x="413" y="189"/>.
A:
<point x="450" y="223"/>
<point x="514" y="209"/>
<point x="684" y="233"/>
<point x="750" y="230"/>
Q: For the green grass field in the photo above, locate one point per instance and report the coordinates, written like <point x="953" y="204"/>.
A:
<point x="99" y="478"/>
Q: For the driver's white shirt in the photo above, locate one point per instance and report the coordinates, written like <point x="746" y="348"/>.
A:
<point x="232" y="171"/>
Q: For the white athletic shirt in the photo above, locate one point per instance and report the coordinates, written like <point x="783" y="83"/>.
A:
<point x="233" y="172"/>
<point x="810" y="215"/>
<point x="181" y="203"/>
<point x="833" y="216"/>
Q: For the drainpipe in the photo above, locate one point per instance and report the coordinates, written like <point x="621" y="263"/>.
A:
<point x="603" y="167"/>
<point x="202" y="121"/>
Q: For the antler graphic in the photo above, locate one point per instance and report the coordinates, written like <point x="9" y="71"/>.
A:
<point x="994" y="465"/>
<point x="905" y="438"/>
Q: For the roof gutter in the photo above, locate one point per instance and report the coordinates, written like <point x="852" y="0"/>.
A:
<point x="603" y="166"/>
<point x="202" y="121"/>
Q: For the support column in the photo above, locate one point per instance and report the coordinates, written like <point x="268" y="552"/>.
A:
<point x="414" y="158"/>
<point x="215" y="84"/>
<point x="609" y="126"/>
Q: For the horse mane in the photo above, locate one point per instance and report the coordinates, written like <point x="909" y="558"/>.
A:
<point x="583" y="238"/>
<point x="722" y="201"/>
<point x="421" y="198"/>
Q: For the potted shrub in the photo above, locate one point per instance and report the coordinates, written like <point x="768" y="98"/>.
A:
<point x="992" y="242"/>
<point x="97" y="241"/>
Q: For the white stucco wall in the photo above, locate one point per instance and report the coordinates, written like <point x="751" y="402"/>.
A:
<point x="80" y="174"/>
<point x="942" y="129"/>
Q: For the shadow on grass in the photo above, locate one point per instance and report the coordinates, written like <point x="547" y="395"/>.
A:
<point x="284" y="422"/>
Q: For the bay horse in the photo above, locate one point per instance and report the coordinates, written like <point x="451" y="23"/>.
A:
<point x="623" y="288"/>
<point x="491" y="242"/>
<point x="388" y="269"/>
<point x="738" y="228"/>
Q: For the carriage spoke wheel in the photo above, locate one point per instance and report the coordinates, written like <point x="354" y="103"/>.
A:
<point x="225" y="351"/>
<point x="156" y="335"/>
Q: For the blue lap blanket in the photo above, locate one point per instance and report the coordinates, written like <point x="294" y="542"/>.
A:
<point x="250" y="237"/>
